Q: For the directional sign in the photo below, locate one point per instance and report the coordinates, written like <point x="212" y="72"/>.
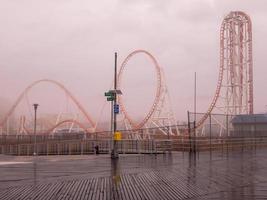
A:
<point x="110" y="95"/>
<point x="110" y="98"/>
<point x="116" y="108"/>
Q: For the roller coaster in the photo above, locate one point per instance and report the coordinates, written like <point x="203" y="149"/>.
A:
<point x="233" y="95"/>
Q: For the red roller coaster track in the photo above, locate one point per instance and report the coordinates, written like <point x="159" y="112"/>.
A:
<point x="230" y="43"/>
<point x="133" y="124"/>
<point x="49" y="131"/>
<point x="80" y="107"/>
<point x="67" y="121"/>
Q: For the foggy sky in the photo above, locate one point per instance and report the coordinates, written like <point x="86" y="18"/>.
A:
<point x="73" y="42"/>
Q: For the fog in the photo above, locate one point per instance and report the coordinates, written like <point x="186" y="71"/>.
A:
<point x="74" y="41"/>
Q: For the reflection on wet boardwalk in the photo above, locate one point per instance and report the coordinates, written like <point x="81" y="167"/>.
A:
<point x="232" y="175"/>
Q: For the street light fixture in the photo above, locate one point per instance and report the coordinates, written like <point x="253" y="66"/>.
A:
<point x="35" y="106"/>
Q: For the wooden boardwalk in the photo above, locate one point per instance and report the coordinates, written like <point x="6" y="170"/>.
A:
<point x="238" y="175"/>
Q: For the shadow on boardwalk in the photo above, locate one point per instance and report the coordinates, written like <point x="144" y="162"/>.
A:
<point x="236" y="175"/>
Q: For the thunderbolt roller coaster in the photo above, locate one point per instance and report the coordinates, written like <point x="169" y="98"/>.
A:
<point x="234" y="91"/>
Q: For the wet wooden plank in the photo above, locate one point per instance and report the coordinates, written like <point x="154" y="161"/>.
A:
<point x="12" y="192"/>
<point x="143" y="178"/>
<point x="80" y="189"/>
<point x="91" y="190"/>
<point x="89" y="185"/>
<point x="85" y="185"/>
<point x="75" y="190"/>
<point x="53" y="191"/>
<point x="64" y="194"/>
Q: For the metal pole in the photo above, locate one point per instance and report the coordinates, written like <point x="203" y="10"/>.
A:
<point x="195" y="96"/>
<point x="210" y="132"/>
<point x="114" y="153"/>
<point x="115" y="95"/>
<point x="111" y="128"/>
<point x="35" y="113"/>
<point x="195" y="146"/>
<point x="7" y="126"/>
<point x="227" y="126"/>
<point x="195" y="109"/>
<point x="189" y="131"/>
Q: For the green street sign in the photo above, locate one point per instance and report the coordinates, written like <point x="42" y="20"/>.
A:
<point x="111" y="98"/>
<point x="107" y="94"/>
<point x="111" y="94"/>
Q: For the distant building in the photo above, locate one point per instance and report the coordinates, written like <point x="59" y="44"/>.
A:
<point x="249" y="125"/>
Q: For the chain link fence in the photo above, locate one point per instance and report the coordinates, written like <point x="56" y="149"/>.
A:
<point x="221" y="126"/>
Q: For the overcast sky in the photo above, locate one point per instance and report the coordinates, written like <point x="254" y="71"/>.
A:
<point x="73" y="42"/>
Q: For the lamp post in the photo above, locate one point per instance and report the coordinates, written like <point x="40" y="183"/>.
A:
<point x="35" y="106"/>
<point x="112" y="96"/>
<point x="114" y="153"/>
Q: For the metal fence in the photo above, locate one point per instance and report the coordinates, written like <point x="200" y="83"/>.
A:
<point x="221" y="125"/>
<point x="170" y="132"/>
<point x="198" y="144"/>
<point x="218" y="132"/>
<point x="85" y="146"/>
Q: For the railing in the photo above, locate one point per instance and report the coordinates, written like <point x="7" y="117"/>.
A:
<point x="215" y="144"/>
<point x="24" y="145"/>
<point x="84" y="146"/>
